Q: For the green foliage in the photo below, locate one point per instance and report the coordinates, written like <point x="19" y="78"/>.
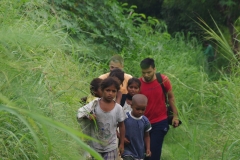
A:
<point x="179" y="15"/>
<point x="32" y="85"/>
<point x="150" y="8"/>
<point x="103" y="22"/>
<point x="223" y="47"/>
<point x="100" y="22"/>
<point x="49" y="52"/>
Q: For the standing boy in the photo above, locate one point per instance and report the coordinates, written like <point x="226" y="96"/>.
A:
<point x="137" y="139"/>
<point x="156" y="110"/>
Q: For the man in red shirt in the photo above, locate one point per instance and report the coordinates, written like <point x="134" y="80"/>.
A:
<point x="156" y="110"/>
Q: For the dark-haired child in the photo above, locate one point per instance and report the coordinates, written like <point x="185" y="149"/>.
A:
<point x="118" y="75"/>
<point x="133" y="87"/>
<point x="95" y="90"/>
<point x="137" y="139"/>
<point x="108" y="115"/>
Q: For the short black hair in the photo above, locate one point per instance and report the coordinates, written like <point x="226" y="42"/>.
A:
<point x="108" y="82"/>
<point x="133" y="79"/>
<point x="117" y="73"/>
<point x="95" y="85"/>
<point x="146" y="63"/>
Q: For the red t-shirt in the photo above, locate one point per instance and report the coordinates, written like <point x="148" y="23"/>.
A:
<point x="156" y="110"/>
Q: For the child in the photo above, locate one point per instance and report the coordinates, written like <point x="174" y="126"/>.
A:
<point x="137" y="139"/>
<point x="133" y="87"/>
<point x="118" y="74"/>
<point x="95" y="90"/>
<point x="108" y="115"/>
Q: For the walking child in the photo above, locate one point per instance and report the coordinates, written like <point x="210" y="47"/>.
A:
<point x="133" y="87"/>
<point x="137" y="139"/>
<point x="108" y="115"/>
<point x="95" y="90"/>
<point x="118" y="74"/>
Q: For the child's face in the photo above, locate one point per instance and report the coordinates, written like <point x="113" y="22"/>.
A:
<point x="133" y="88"/>
<point x="138" y="109"/>
<point x="109" y="93"/>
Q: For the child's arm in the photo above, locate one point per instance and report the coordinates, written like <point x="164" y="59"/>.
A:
<point x="86" y="111"/>
<point x="147" y="144"/>
<point x="126" y="141"/>
<point x="122" y="136"/>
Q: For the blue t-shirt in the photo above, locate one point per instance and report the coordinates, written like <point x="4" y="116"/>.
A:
<point x="135" y="130"/>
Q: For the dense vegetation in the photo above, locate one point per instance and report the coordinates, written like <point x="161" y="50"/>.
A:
<point x="180" y="15"/>
<point x="51" y="50"/>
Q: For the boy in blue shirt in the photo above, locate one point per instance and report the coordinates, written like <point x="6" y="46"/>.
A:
<point x="137" y="127"/>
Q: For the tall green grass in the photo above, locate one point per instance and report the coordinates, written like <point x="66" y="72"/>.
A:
<point x="44" y="73"/>
<point x="41" y="83"/>
<point x="226" y="60"/>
